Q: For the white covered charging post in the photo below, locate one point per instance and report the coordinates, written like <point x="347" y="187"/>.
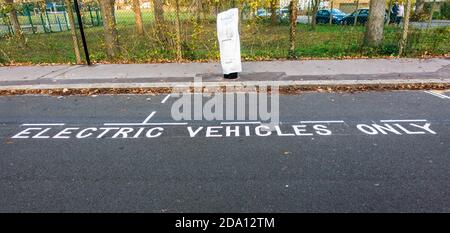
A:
<point x="228" y="35"/>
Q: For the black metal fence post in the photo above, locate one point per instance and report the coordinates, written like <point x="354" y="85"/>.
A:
<point x="83" y="37"/>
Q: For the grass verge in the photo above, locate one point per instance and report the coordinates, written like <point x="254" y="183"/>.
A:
<point x="259" y="41"/>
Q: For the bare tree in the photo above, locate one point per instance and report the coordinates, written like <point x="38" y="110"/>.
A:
<point x="158" y="8"/>
<point x="419" y="8"/>
<point x="374" y="28"/>
<point x="198" y="10"/>
<point x="273" y="11"/>
<point x="109" y="27"/>
<point x="138" y="17"/>
<point x="389" y="12"/>
<point x="233" y="4"/>
<point x="178" y="31"/>
<point x="430" y="19"/>
<point x="331" y="13"/>
<point x="405" y="28"/>
<point x="355" y="21"/>
<point x="315" y="8"/>
<point x="18" y="33"/>
<point x="73" y="32"/>
<point x="293" y="26"/>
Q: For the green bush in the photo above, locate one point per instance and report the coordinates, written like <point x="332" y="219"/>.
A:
<point x="445" y="10"/>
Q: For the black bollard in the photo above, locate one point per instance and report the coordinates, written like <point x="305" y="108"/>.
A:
<point x="231" y="76"/>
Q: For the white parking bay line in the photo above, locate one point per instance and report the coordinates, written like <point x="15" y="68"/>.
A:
<point x="437" y="94"/>
<point x="413" y="120"/>
<point x="149" y="117"/>
<point x="240" y="123"/>
<point x="44" y="124"/>
<point x="165" y="99"/>
<point x="145" y="124"/>
<point x="320" y="122"/>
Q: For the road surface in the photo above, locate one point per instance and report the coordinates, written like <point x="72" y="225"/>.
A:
<point x="361" y="152"/>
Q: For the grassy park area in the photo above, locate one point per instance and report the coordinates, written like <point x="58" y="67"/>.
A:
<point x="259" y="41"/>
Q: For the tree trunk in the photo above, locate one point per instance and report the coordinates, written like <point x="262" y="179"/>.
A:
<point x="178" y="31"/>
<point x="308" y="12"/>
<point x="233" y="4"/>
<point x="331" y="13"/>
<point x="405" y="28"/>
<point x="373" y="36"/>
<point x="419" y="8"/>
<point x="159" y="11"/>
<point x="273" y="11"/>
<point x="430" y="19"/>
<point x="73" y="32"/>
<point x="293" y="26"/>
<point x="18" y="33"/>
<point x="389" y="12"/>
<point x="138" y="17"/>
<point x="315" y="6"/>
<point x="109" y="27"/>
<point x="198" y="9"/>
<point x="355" y="21"/>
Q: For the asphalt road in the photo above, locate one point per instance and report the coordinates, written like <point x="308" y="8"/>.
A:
<point x="363" y="152"/>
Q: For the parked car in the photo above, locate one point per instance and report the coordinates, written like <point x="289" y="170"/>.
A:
<point x="323" y="16"/>
<point x="262" y="13"/>
<point x="265" y="13"/>
<point x="146" y="5"/>
<point x="362" y="16"/>
<point x="284" y="12"/>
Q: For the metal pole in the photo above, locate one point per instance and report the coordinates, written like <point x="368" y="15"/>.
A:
<point x="65" y="18"/>
<point x="48" y="21"/>
<point x="10" y="30"/>
<point x="98" y="18"/>
<point x="43" y="24"/>
<point x="59" y="23"/>
<point x="31" y="21"/>
<point x="90" y="14"/>
<point x="83" y="37"/>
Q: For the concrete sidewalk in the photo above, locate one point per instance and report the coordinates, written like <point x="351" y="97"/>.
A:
<point x="283" y="73"/>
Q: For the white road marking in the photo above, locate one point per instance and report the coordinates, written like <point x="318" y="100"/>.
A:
<point x="149" y="117"/>
<point x="144" y="124"/>
<point x="414" y="120"/>
<point x="437" y="95"/>
<point x="320" y="122"/>
<point x="240" y="123"/>
<point x="44" y="124"/>
<point x="165" y="99"/>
